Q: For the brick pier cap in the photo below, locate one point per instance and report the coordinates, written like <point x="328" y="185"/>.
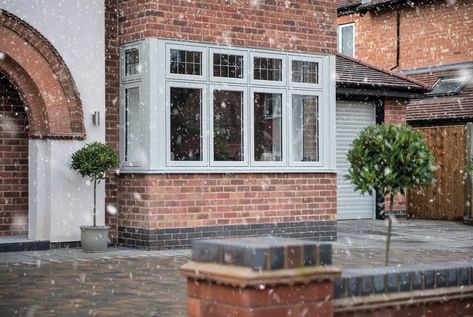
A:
<point x="260" y="276"/>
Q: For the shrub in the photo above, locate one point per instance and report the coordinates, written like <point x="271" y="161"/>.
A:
<point x="390" y="159"/>
<point x="94" y="160"/>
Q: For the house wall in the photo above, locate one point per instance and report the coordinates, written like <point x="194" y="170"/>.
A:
<point x="59" y="199"/>
<point x="169" y="210"/>
<point x="434" y="33"/>
<point x="13" y="162"/>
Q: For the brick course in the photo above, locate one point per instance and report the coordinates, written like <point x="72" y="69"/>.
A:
<point x="432" y="33"/>
<point x="13" y="161"/>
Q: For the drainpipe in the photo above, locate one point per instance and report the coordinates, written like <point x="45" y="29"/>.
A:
<point x="398" y="39"/>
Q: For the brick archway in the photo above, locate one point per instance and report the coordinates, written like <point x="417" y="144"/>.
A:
<point x="42" y="79"/>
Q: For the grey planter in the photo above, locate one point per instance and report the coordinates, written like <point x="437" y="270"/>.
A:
<point x="94" y="239"/>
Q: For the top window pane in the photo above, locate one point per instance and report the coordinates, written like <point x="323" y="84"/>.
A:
<point x="132" y="61"/>
<point x="186" y="62"/>
<point x="229" y="66"/>
<point x="305" y="72"/>
<point x="267" y="68"/>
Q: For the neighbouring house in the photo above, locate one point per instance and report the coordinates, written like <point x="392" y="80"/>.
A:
<point x="229" y="118"/>
<point x="429" y="41"/>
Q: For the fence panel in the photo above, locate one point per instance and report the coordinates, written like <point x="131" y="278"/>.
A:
<point x="446" y="199"/>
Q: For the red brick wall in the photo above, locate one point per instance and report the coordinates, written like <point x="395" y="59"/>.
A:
<point x="13" y="162"/>
<point x="436" y="33"/>
<point x="297" y="25"/>
<point x="112" y="107"/>
<point x="395" y="113"/>
<point x="191" y="200"/>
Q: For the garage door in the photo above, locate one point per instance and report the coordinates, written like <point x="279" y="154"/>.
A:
<point x="352" y="117"/>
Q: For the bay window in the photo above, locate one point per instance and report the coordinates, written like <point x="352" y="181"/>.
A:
<point x="189" y="107"/>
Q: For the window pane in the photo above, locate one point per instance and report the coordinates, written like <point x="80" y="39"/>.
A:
<point x="267" y="69"/>
<point x="305" y="127"/>
<point x="228" y="125"/>
<point x="132" y="60"/>
<point x="229" y="66"/>
<point x="305" y="72"/>
<point x="448" y="85"/>
<point x="134" y="136"/>
<point x="347" y="40"/>
<point x="186" y="62"/>
<point x="186" y="127"/>
<point x="267" y="127"/>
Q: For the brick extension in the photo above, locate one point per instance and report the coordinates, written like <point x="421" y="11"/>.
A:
<point x="13" y="161"/>
<point x="150" y="203"/>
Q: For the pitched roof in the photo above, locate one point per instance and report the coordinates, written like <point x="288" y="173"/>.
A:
<point x="357" y="74"/>
<point x="455" y="107"/>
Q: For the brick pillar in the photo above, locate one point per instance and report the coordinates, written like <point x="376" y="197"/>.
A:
<point x="259" y="277"/>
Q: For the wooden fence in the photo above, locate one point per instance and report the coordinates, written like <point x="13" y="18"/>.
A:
<point x="446" y="200"/>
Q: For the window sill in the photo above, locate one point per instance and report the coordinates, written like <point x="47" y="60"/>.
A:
<point x="207" y="170"/>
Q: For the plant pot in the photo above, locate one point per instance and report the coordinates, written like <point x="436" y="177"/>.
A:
<point x="94" y="239"/>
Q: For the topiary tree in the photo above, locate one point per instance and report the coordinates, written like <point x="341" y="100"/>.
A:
<point x="389" y="159"/>
<point x="94" y="160"/>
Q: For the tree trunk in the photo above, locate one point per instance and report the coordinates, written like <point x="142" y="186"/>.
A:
<point x="95" y="202"/>
<point x="390" y="226"/>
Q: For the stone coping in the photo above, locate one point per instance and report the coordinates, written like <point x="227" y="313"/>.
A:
<point x="242" y="277"/>
<point x="263" y="253"/>
<point x="410" y="278"/>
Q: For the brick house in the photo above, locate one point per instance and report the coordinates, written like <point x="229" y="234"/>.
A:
<point x="223" y="113"/>
<point x="429" y="41"/>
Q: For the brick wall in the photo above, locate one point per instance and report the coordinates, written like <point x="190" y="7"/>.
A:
<point x="213" y="201"/>
<point x="434" y="33"/>
<point x="13" y="162"/>
<point x="297" y="25"/>
<point x="395" y="113"/>
<point x="112" y="106"/>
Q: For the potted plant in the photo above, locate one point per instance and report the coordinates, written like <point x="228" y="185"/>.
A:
<point x="390" y="159"/>
<point x="94" y="160"/>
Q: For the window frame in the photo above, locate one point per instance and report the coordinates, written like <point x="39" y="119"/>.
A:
<point x="203" y="121"/>
<point x="155" y="93"/>
<point x="301" y="58"/>
<point x="245" y="161"/>
<point x="340" y="38"/>
<point x="259" y="82"/>
<point x="216" y="79"/>
<point x="186" y="47"/>
<point x="141" y="58"/>
<point x="270" y="90"/>
<point x="321" y="130"/>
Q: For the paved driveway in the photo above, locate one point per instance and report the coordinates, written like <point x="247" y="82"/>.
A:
<point x="123" y="282"/>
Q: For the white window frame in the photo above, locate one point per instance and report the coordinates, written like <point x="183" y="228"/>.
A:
<point x="340" y="37"/>
<point x="245" y="117"/>
<point x="155" y="82"/>
<point x="320" y="69"/>
<point x="259" y="82"/>
<point x="216" y="79"/>
<point x="203" y="122"/>
<point x="141" y="53"/>
<point x="186" y="47"/>
<point x="284" y="140"/>
<point x="321" y="134"/>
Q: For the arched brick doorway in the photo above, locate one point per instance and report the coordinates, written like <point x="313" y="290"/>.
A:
<point x="43" y="103"/>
